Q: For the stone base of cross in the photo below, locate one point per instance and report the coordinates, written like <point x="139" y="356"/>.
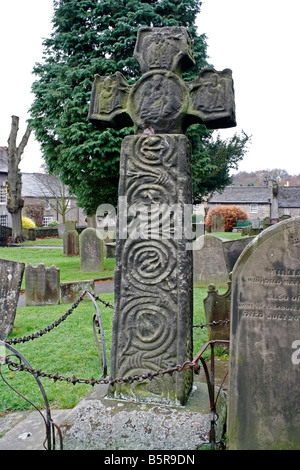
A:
<point x="152" y="327"/>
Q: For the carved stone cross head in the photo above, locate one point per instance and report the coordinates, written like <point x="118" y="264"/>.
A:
<point x="161" y="102"/>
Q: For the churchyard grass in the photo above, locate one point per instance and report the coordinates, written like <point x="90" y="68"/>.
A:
<point x="44" y="242"/>
<point x="69" y="266"/>
<point x="69" y="350"/>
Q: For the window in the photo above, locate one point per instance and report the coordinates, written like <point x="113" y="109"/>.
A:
<point x="3" y="195"/>
<point x="253" y="208"/>
<point x="3" y="220"/>
<point x="47" y="219"/>
<point x="47" y="206"/>
<point x="286" y="211"/>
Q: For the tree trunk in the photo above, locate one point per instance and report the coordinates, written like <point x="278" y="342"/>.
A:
<point x="14" y="197"/>
<point x="17" y="233"/>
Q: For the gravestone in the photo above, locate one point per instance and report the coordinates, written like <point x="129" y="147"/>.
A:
<point x="217" y="308"/>
<point x="209" y="262"/>
<point x="42" y="285"/>
<point x="110" y="249"/>
<point x="232" y="250"/>
<point x="70" y="291"/>
<point x="91" y="250"/>
<point x="11" y="275"/>
<point x="71" y="243"/>
<point x="152" y="326"/>
<point x="264" y="378"/>
<point x="217" y="223"/>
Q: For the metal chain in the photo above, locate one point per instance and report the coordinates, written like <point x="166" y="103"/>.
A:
<point x="13" y="366"/>
<point x="213" y="323"/>
<point x="42" y="332"/>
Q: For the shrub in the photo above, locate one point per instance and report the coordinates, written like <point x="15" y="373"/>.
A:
<point x="53" y="224"/>
<point x="231" y="215"/>
<point x="28" y="223"/>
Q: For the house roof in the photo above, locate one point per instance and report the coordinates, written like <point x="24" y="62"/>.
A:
<point x="42" y="185"/>
<point x="242" y="195"/>
<point x="289" y="196"/>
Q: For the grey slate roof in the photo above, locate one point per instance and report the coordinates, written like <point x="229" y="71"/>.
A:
<point x="289" y="197"/>
<point x="242" y="195"/>
<point x="39" y="185"/>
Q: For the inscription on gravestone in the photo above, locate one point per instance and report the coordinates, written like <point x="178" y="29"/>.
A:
<point x="153" y="279"/>
<point x="264" y="382"/>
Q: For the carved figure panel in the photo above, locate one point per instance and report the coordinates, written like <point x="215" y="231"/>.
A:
<point x="163" y="48"/>
<point x="212" y="98"/>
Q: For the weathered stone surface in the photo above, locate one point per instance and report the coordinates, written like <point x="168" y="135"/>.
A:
<point x="209" y="262"/>
<point x="217" y="308"/>
<point x="11" y="275"/>
<point x="99" y="422"/>
<point x="91" y="251"/>
<point x="70" y="291"/>
<point x="264" y="382"/>
<point x="153" y="275"/>
<point x="42" y="285"/>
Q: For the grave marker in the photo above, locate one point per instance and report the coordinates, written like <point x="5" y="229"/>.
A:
<point x="264" y="381"/>
<point x="42" y="285"/>
<point x="91" y="250"/>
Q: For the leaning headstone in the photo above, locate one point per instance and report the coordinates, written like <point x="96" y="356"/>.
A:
<point x="153" y="278"/>
<point x="91" y="250"/>
<point x="42" y="285"/>
<point x="11" y="275"/>
<point x="264" y="379"/>
<point x="232" y="250"/>
<point x="217" y="309"/>
<point x="209" y="262"/>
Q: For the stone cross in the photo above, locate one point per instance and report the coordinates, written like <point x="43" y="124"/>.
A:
<point x="152" y="326"/>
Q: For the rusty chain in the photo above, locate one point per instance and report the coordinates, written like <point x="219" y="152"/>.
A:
<point x="13" y="366"/>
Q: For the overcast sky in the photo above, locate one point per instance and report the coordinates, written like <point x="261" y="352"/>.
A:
<point x="258" y="39"/>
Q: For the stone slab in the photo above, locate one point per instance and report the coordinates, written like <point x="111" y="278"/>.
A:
<point x="26" y="430"/>
<point x="102" y="423"/>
